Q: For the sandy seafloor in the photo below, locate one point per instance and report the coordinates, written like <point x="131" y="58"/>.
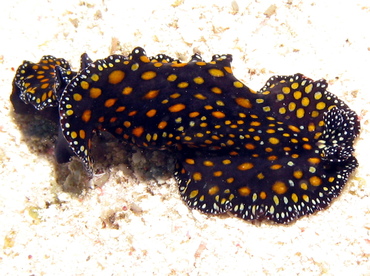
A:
<point x="130" y="220"/>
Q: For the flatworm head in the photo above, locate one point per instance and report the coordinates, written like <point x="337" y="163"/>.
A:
<point x="278" y="154"/>
<point x="38" y="82"/>
<point x="37" y="86"/>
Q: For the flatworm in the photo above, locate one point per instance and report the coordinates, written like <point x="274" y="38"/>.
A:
<point x="279" y="153"/>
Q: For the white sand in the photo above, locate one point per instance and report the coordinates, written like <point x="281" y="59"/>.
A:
<point x="126" y="224"/>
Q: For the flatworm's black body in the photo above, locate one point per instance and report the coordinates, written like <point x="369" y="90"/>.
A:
<point x="278" y="154"/>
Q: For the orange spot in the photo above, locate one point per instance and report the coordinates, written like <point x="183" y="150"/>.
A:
<point x="243" y="102"/>
<point x="151" y="94"/>
<point x="144" y="59"/>
<point x="175" y="95"/>
<point x="179" y="64"/>
<point x="177" y="107"/>
<point x="314" y="160"/>
<point x="307" y="146"/>
<point x="118" y="130"/>
<point x="120" y="109"/>
<point x="200" y="96"/>
<point x="82" y="134"/>
<point x="172" y="77"/>
<point x="148" y="75"/>
<point x="294" y="128"/>
<point x="110" y="102"/>
<point x="213" y="190"/>
<point x="77" y="97"/>
<point x="183" y="84"/>
<point x="230" y="142"/>
<point x="275" y="167"/>
<point x="272" y="158"/>
<point x="228" y="69"/>
<point x="208" y="163"/>
<point x="138" y="131"/>
<point x="216" y="72"/>
<point x="45" y="85"/>
<point x="190" y="161"/>
<point x="311" y="127"/>
<point x="94" y="77"/>
<point x="198" y="80"/>
<point x="116" y="76"/>
<point x="200" y="63"/>
<point x="298" y="174"/>
<point x="238" y="84"/>
<point x="230" y="180"/>
<point x="217" y="173"/>
<point x="303" y="185"/>
<point x="127" y="124"/>
<point x="295" y="198"/>
<point x="279" y="187"/>
<point x="306" y="198"/>
<point x="162" y="125"/>
<point x="244" y="191"/>
<point x="263" y="195"/>
<point x="95" y="92"/>
<point x="193" y="114"/>
<point x="218" y="114"/>
<point x="268" y="149"/>
<point x="255" y="123"/>
<point x="193" y="193"/>
<point x="86" y="115"/>
<point x="151" y="113"/>
<point x="274" y="140"/>
<point x="197" y="176"/>
<point x="245" y="166"/>
<point x="315" y="181"/>
<point x="216" y="90"/>
<point x="127" y="90"/>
